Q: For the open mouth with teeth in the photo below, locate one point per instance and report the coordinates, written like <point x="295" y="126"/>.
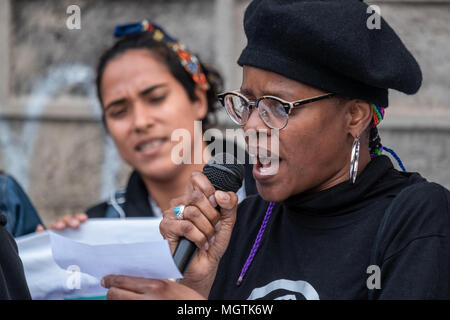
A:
<point x="267" y="166"/>
<point x="265" y="163"/>
<point x="150" y="146"/>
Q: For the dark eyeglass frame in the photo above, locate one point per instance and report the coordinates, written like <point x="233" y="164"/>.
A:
<point x="288" y="105"/>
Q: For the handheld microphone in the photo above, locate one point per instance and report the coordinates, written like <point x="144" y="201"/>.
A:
<point x="225" y="174"/>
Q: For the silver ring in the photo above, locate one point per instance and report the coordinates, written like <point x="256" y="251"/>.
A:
<point x="178" y="211"/>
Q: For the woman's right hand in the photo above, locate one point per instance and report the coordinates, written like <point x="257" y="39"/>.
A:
<point x="207" y="227"/>
<point x="67" y="221"/>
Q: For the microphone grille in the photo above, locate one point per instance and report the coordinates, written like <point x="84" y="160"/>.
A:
<point x="224" y="172"/>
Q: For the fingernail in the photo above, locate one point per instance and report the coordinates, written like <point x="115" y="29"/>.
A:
<point x="223" y="195"/>
<point x="206" y="246"/>
<point x="212" y="200"/>
<point x="217" y="226"/>
<point x="211" y="241"/>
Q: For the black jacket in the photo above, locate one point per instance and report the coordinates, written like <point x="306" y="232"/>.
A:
<point x="12" y="278"/>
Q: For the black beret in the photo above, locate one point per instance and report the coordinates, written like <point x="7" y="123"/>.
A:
<point x="327" y="44"/>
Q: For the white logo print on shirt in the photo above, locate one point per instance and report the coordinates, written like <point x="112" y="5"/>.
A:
<point x="300" y="286"/>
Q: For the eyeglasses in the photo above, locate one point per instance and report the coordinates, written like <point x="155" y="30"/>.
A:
<point x="273" y="111"/>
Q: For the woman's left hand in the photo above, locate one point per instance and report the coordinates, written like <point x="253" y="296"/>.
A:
<point x="132" y="288"/>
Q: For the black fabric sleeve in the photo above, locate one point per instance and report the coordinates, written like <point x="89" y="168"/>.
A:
<point x="415" y="248"/>
<point x="97" y="211"/>
<point x="419" y="271"/>
<point x="13" y="284"/>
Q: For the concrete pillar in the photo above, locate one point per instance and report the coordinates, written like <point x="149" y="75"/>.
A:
<point x="5" y="21"/>
<point x="224" y="43"/>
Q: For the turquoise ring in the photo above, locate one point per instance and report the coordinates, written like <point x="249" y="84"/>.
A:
<point x="179" y="211"/>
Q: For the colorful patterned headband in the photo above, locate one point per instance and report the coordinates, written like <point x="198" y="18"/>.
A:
<point x="188" y="60"/>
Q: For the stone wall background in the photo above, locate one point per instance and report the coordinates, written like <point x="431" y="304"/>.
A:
<point x="51" y="136"/>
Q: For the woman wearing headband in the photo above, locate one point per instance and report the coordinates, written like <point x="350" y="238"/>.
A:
<point x="336" y="220"/>
<point x="149" y="86"/>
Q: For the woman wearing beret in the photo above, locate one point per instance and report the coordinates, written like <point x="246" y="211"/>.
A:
<point x="336" y="220"/>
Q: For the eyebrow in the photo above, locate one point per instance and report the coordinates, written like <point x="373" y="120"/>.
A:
<point x="114" y="103"/>
<point x="152" y="88"/>
<point x="142" y="93"/>
<point x="248" y="93"/>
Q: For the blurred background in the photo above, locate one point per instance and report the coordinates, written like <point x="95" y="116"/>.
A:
<point x="51" y="136"/>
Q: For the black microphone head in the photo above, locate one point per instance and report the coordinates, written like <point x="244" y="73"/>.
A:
<point x="224" y="172"/>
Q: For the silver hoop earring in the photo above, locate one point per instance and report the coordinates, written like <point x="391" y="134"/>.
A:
<point x="354" y="160"/>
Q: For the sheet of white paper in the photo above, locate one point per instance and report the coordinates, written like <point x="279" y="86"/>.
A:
<point x="151" y="259"/>
<point x="46" y="280"/>
<point x="106" y="231"/>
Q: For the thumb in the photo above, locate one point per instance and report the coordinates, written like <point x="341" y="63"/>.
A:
<point x="228" y="207"/>
<point x="227" y="202"/>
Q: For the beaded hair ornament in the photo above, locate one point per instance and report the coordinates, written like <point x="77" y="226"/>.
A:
<point x="188" y="60"/>
<point x="378" y="115"/>
<point x="376" y="147"/>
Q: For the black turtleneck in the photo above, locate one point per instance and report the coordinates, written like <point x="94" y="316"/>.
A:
<point x="318" y="245"/>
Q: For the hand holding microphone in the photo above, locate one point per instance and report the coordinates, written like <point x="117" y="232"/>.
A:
<point x="195" y="228"/>
<point x="200" y="231"/>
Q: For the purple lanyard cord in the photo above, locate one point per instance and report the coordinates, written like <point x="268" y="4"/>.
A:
<point x="256" y="243"/>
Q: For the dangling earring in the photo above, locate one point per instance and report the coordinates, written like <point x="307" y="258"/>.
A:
<point x="354" y="160"/>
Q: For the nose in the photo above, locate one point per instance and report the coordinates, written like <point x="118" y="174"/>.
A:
<point x="255" y="122"/>
<point x="256" y="133"/>
<point x="142" y="117"/>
